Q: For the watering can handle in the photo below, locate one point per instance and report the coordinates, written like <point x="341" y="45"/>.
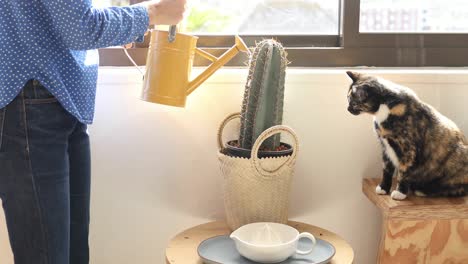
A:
<point x="171" y="38"/>
<point x="133" y="61"/>
<point x="172" y="33"/>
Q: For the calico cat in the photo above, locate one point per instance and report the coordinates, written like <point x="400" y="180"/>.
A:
<point x="424" y="149"/>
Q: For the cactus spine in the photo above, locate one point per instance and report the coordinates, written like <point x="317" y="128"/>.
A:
<point x="262" y="106"/>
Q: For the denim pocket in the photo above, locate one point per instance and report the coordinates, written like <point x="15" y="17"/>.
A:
<point x="41" y="100"/>
<point x="38" y="94"/>
<point x="2" y="125"/>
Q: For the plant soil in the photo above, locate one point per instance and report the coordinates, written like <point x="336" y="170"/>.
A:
<point x="281" y="147"/>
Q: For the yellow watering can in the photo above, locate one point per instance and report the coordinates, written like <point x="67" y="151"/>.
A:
<point x="169" y="63"/>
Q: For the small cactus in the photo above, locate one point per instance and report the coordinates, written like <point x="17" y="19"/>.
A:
<point x="262" y="106"/>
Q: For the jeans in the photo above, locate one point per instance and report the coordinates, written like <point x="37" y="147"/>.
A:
<point x="44" y="179"/>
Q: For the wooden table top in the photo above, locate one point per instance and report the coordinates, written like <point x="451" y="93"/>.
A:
<point x="182" y="249"/>
<point x="416" y="207"/>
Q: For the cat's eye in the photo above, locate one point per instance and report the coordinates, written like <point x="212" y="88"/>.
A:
<point x="361" y="94"/>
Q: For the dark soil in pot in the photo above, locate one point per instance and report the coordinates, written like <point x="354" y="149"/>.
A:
<point x="233" y="149"/>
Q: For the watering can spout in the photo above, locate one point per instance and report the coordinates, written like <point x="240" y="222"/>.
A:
<point x="217" y="63"/>
<point x="168" y="67"/>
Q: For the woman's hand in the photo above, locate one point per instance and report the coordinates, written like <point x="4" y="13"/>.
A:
<point x="165" y="12"/>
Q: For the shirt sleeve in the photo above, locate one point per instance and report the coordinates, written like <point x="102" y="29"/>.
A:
<point x="83" y="27"/>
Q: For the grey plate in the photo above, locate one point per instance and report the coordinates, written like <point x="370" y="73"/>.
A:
<point x="222" y="250"/>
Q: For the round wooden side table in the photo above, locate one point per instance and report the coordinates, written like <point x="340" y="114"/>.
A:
<point x="182" y="249"/>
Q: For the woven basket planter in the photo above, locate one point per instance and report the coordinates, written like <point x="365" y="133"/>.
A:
<point x="257" y="189"/>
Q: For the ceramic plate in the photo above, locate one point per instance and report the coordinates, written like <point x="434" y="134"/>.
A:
<point x="222" y="250"/>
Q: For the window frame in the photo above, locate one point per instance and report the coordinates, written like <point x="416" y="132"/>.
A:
<point x="348" y="48"/>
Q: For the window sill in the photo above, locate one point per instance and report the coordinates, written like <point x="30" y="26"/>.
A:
<point x="319" y="77"/>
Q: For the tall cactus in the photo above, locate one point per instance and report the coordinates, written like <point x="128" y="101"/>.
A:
<point x="262" y="106"/>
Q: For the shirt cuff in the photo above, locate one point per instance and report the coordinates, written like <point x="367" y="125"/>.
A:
<point x="141" y="22"/>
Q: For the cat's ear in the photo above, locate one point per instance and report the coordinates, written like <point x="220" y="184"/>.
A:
<point x="354" y="75"/>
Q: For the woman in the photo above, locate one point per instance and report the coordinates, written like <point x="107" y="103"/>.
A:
<point x="48" y="72"/>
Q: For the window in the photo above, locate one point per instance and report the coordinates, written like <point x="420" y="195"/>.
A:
<point x="436" y="16"/>
<point x="256" y="17"/>
<point x="280" y="17"/>
<point x="327" y="33"/>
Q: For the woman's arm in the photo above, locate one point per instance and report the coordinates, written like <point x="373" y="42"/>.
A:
<point x="83" y="27"/>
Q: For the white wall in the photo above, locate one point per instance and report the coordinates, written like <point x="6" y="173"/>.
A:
<point x="155" y="169"/>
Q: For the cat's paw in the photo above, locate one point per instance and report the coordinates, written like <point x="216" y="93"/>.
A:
<point x="397" y="195"/>
<point x="379" y="190"/>
<point x="419" y="193"/>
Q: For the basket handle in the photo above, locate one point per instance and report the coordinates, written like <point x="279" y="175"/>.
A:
<point x="265" y="135"/>
<point x="226" y="121"/>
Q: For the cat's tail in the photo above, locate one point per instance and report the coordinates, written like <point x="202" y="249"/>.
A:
<point x="462" y="190"/>
<point x="465" y="173"/>
<point x="453" y="191"/>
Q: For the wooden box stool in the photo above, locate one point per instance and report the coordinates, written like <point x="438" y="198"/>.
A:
<point x="420" y="229"/>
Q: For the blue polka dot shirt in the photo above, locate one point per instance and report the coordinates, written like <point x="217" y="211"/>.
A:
<point x="55" y="42"/>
